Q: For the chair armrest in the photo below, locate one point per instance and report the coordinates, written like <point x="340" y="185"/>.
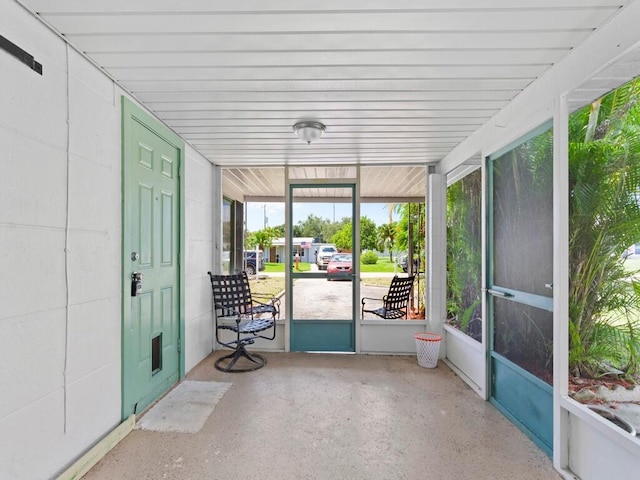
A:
<point x="270" y="301"/>
<point x="371" y="298"/>
<point x="362" y="310"/>
<point x="273" y="303"/>
<point x="261" y="295"/>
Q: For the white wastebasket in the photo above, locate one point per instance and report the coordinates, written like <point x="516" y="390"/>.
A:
<point x="427" y="348"/>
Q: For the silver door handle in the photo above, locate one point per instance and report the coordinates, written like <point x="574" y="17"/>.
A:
<point x="500" y="294"/>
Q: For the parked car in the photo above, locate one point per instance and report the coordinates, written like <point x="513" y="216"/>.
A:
<point x="324" y="254"/>
<point x="402" y="263"/>
<point x="250" y="262"/>
<point x="340" y="267"/>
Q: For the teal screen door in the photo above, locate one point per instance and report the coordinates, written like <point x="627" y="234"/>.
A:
<point x="520" y="296"/>
<point x="321" y="301"/>
<point x="151" y="242"/>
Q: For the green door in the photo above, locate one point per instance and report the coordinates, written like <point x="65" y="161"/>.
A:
<point x="151" y="333"/>
<point x="321" y="300"/>
<point x="520" y="295"/>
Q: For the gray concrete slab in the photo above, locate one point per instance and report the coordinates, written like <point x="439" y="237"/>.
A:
<point x="318" y="416"/>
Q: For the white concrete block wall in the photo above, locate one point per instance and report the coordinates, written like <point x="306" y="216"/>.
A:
<point x="382" y="336"/>
<point x="94" y="252"/>
<point x="60" y="368"/>
<point x="437" y="254"/>
<point x="33" y="139"/>
<point x="199" y="230"/>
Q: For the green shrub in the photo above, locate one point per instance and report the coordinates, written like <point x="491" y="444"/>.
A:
<point x="369" y="258"/>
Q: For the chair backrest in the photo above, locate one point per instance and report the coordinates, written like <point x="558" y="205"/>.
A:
<point x="398" y="296"/>
<point x="231" y="294"/>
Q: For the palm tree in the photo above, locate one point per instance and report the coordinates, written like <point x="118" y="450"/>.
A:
<point x="464" y="253"/>
<point x="263" y="238"/>
<point x="410" y="229"/>
<point x="604" y="219"/>
<point x="387" y="238"/>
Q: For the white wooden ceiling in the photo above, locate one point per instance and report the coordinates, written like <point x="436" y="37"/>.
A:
<point x="396" y="82"/>
<point x="380" y="184"/>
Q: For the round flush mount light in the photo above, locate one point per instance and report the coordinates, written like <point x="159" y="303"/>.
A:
<point x="309" y="131"/>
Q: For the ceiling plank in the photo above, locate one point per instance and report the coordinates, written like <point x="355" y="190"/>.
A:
<point x="397" y="84"/>
<point x="342" y="85"/>
<point x="143" y="6"/>
<point x="330" y="58"/>
<point x="333" y="72"/>
<point x="468" y="19"/>
<point x="212" y="41"/>
<point x="167" y="97"/>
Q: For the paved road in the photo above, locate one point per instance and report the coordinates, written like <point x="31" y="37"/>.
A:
<point x="317" y="298"/>
<point x="362" y="274"/>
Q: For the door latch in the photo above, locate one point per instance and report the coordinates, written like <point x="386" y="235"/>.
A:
<point x="136" y="283"/>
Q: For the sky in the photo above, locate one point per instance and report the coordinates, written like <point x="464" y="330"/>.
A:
<point x="263" y="214"/>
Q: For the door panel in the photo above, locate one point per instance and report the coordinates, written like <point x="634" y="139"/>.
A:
<point x="322" y="336"/>
<point x="322" y="305"/>
<point x="521" y="334"/>
<point x="151" y="240"/>
<point x="526" y="400"/>
<point x="520" y="301"/>
<point x="319" y="299"/>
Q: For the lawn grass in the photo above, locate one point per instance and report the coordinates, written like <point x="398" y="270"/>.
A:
<point x="622" y="316"/>
<point x="383" y="265"/>
<point x="266" y="288"/>
<point x="272" y="286"/>
<point x="279" y="267"/>
<point x="273" y="267"/>
<point x="376" y="281"/>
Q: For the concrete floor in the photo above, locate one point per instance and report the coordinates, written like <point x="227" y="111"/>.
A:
<point x="317" y="416"/>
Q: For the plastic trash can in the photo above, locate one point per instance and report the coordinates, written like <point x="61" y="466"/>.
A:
<point x="427" y="348"/>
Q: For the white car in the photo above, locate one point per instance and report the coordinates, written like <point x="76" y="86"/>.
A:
<point x="324" y="254"/>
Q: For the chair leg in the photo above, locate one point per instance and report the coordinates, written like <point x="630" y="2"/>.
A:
<point x="240" y="352"/>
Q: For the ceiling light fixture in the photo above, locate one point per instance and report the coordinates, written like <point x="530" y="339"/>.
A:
<point x="309" y="131"/>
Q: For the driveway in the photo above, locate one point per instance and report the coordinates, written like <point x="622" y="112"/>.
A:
<point x="317" y="299"/>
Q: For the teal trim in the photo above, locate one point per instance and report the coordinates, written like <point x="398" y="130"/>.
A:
<point x="490" y="225"/>
<point x="548" y="125"/>
<point x="525" y="400"/>
<point x="133" y="113"/>
<point x="156" y="392"/>
<point x="538" y="301"/>
<point x="322" y="335"/>
<point x="232" y="228"/>
<point x="180" y="145"/>
<point x="288" y="296"/>
<point x="316" y="334"/>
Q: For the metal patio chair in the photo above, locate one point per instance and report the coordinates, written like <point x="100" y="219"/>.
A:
<point x="394" y="303"/>
<point x="244" y="316"/>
